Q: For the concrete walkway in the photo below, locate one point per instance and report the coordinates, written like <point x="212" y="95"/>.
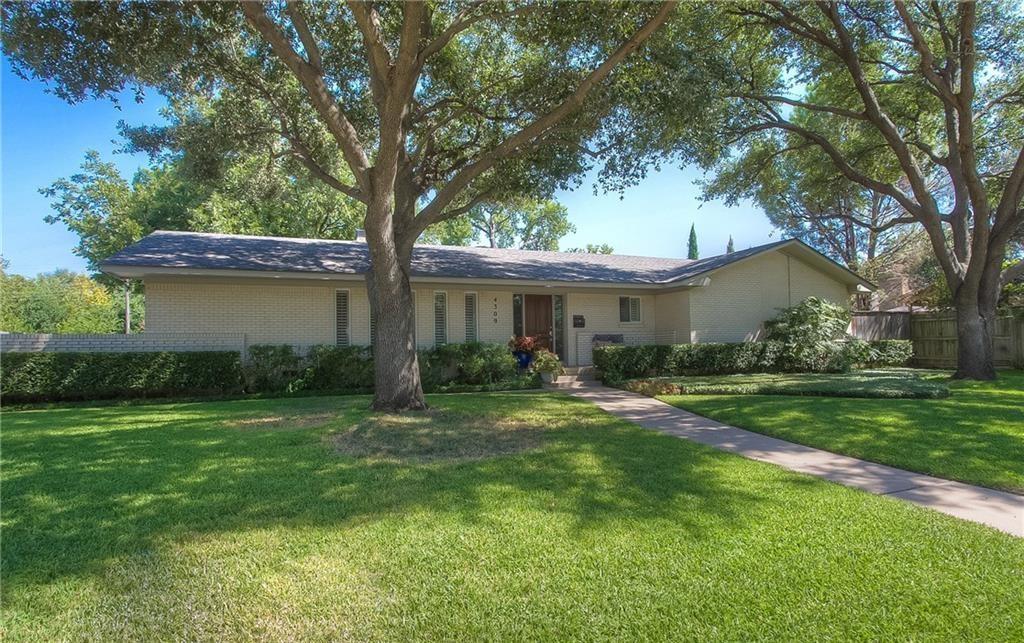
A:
<point x="1004" y="511"/>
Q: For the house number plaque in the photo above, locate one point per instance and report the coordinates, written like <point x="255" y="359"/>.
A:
<point x="494" y="313"/>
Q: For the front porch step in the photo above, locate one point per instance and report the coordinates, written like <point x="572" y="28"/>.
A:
<point x="575" y="377"/>
<point x="566" y="383"/>
<point x="581" y="372"/>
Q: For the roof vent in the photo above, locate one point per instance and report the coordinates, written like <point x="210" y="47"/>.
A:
<point x="360" y="234"/>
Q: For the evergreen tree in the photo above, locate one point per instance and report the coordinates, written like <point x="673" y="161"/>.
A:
<point x="730" y="247"/>
<point x="691" y="245"/>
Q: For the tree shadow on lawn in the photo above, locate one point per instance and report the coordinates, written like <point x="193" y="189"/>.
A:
<point x="83" y="486"/>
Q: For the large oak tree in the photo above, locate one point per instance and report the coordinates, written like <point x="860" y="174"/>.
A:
<point x="418" y="111"/>
<point x="921" y="103"/>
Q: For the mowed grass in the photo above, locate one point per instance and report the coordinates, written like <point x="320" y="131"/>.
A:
<point x="307" y="518"/>
<point x="976" y="435"/>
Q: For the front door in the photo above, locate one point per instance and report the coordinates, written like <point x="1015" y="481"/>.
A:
<point x="538" y="320"/>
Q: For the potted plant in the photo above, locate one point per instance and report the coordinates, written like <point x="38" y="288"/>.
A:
<point x="522" y="348"/>
<point x="548" y="365"/>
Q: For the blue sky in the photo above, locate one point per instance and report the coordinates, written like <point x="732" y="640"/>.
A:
<point x="43" y="139"/>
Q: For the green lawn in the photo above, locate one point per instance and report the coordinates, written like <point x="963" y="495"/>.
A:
<point x="976" y="435"/>
<point x="499" y="516"/>
<point x="882" y="383"/>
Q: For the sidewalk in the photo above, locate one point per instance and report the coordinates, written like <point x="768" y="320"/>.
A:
<point x="998" y="509"/>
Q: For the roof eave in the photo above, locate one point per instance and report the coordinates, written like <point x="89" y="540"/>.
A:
<point x="142" y="272"/>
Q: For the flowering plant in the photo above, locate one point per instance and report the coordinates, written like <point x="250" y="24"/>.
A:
<point x="544" y="361"/>
<point x="522" y="344"/>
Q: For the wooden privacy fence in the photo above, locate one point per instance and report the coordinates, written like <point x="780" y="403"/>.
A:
<point x="934" y="336"/>
<point x="875" y="325"/>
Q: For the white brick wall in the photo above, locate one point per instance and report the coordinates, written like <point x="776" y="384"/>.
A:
<point x="741" y="297"/>
<point x="601" y="312"/>
<point x="302" y="313"/>
<point x="672" y="316"/>
<point x="807" y="282"/>
<point x="265" y="311"/>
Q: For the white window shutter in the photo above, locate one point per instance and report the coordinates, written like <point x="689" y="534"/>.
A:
<point x="471" y="324"/>
<point x="341" y="317"/>
<point x="440" y="318"/>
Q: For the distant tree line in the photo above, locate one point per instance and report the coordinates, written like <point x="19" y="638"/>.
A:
<point x="64" y="302"/>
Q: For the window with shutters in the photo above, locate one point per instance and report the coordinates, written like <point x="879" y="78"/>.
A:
<point x="629" y="309"/>
<point x="341" y="334"/>
<point x="471" y="324"/>
<point x="440" y="318"/>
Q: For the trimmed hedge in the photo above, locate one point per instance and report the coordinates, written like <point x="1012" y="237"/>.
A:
<point x="618" y="363"/>
<point x="274" y="369"/>
<point x="335" y="368"/>
<point x="472" y="366"/>
<point x="38" y="377"/>
<point x="472" y="363"/>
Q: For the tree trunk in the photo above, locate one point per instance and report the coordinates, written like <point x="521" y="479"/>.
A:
<point x="974" y="330"/>
<point x="397" y="385"/>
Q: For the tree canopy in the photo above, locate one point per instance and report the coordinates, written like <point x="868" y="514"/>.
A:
<point x="251" y="196"/>
<point x="417" y="111"/>
<point x="62" y="302"/>
<point x="920" y="103"/>
<point x="524" y="223"/>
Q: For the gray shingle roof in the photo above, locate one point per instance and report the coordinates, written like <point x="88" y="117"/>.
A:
<point x="195" y="250"/>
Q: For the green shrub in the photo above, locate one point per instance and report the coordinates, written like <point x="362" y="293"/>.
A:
<point x="889" y="352"/>
<point x="813" y="335"/>
<point x="544" y="361"/>
<point x="39" y="377"/>
<point x="619" y="363"/>
<point x="811" y="321"/>
<point x="270" y="367"/>
<point x="472" y="363"/>
<point x="335" y="368"/>
<point x="709" y="359"/>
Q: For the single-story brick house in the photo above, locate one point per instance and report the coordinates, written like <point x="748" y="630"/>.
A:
<point x="305" y="292"/>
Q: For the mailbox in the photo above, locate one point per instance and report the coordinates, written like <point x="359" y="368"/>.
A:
<point x="578" y="321"/>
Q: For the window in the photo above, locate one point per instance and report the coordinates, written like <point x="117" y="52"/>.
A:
<point x="558" y="302"/>
<point x="471" y="324"/>
<point x="440" y="318"/>
<point x="517" y="315"/>
<point x="629" y="309"/>
<point x="341" y="317"/>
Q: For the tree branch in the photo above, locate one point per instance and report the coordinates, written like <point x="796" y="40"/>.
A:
<point x="542" y="124"/>
<point x="927" y="64"/>
<point x="294" y="11"/>
<point x="312" y="81"/>
<point x="839" y="111"/>
<point x="462" y="22"/>
<point x="377" y="54"/>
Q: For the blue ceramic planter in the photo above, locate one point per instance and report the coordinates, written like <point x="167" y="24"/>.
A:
<point x="524" y="358"/>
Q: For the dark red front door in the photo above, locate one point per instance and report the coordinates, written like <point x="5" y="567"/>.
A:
<point x="538" y="320"/>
